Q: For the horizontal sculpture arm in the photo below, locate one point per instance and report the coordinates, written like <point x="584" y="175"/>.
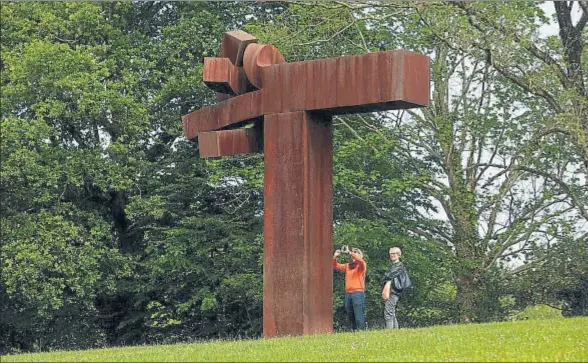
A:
<point x="360" y="83"/>
<point x="230" y="113"/>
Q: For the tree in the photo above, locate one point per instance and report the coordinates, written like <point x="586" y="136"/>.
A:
<point x="550" y="73"/>
<point x="101" y="196"/>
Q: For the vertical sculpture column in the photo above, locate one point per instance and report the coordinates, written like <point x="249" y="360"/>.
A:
<point x="298" y="229"/>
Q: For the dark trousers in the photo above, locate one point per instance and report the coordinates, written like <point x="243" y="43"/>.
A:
<point x="354" y="305"/>
<point x="390" y="312"/>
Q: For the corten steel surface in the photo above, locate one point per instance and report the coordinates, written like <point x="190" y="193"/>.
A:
<point x="234" y="44"/>
<point x="218" y="70"/>
<point x="298" y="275"/>
<point x="291" y="105"/>
<point x="229" y="142"/>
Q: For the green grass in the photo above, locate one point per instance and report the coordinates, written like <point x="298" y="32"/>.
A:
<point x="526" y="341"/>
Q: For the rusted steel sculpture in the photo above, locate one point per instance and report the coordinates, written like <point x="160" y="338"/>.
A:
<point x="291" y="106"/>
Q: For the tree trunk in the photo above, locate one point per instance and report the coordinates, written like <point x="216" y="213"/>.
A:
<point x="468" y="286"/>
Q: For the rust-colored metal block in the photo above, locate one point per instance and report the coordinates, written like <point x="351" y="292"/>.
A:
<point x="415" y="73"/>
<point x="229" y="142"/>
<point x="298" y="286"/>
<point x="257" y="58"/>
<point x="217" y="74"/>
<point x="294" y="104"/>
<point x="360" y="83"/>
<point x="229" y="113"/>
<point x="233" y="46"/>
<point x="222" y="76"/>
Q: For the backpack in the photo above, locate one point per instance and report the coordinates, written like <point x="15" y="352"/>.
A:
<point x="402" y="282"/>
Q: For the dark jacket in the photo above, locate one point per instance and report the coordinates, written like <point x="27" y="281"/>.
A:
<point x="394" y="270"/>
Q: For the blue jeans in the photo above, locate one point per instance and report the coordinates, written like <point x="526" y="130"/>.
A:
<point x="354" y="304"/>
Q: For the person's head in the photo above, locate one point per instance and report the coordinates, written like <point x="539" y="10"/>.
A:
<point x="395" y="254"/>
<point x="353" y="263"/>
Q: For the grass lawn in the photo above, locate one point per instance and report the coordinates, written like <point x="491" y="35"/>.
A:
<point x="554" y="340"/>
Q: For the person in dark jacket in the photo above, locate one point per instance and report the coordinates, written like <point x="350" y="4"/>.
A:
<point x="389" y="293"/>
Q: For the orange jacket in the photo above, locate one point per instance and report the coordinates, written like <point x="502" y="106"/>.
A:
<point x="354" y="278"/>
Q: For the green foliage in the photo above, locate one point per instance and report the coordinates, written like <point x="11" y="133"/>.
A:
<point x="561" y="279"/>
<point x="108" y="220"/>
<point x="539" y="312"/>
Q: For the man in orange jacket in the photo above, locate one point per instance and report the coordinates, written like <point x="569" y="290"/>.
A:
<point x="354" y="286"/>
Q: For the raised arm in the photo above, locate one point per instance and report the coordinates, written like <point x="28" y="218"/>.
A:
<point x="336" y="265"/>
<point x="361" y="263"/>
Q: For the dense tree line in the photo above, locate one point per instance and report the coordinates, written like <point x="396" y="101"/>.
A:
<point x="114" y="231"/>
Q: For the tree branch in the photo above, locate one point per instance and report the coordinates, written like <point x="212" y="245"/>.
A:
<point x="520" y="81"/>
<point x="530" y="46"/>
<point x="563" y="185"/>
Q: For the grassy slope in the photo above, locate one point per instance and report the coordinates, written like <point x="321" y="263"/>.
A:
<point x="527" y="341"/>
